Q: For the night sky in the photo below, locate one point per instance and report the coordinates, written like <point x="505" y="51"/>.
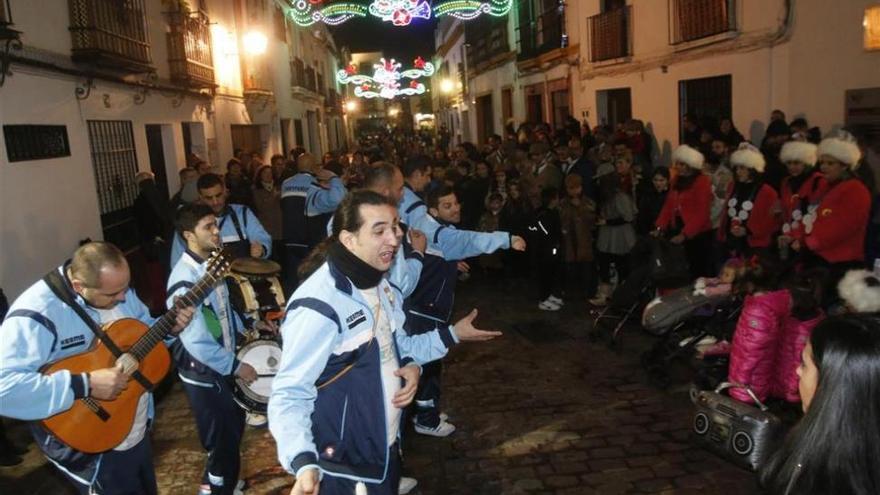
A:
<point x="403" y="43"/>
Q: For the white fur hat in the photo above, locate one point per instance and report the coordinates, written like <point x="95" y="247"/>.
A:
<point x="860" y="289"/>
<point x="689" y="156"/>
<point x="843" y="148"/>
<point x="799" y="151"/>
<point x="748" y="156"/>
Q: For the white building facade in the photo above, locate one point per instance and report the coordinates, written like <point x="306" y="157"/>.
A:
<point x="98" y="91"/>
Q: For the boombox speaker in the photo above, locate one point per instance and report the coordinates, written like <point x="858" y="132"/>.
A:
<point x="739" y="432"/>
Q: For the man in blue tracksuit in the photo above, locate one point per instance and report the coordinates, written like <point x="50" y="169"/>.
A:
<point x="41" y="328"/>
<point x="346" y="369"/>
<point x="454" y="244"/>
<point x="240" y="230"/>
<point x="430" y="305"/>
<point x="205" y="354"/>
<point x="306" y="207"/>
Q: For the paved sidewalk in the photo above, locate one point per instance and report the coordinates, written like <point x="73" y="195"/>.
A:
<point x="540" y="410"/>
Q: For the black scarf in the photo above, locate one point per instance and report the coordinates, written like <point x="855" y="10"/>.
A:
<point x="362" y="275"/>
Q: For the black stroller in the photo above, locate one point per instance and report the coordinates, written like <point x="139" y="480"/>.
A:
<point x="666" y="267"/>
<point x="678" y="342"/>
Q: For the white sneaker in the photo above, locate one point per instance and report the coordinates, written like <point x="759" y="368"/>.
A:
<point x="256" y="420"/>
<point x="444" y="429"/>
<point x="555" y="300"/>
<point x="239" y="489"/>
<point x="548" y="305"/>
<point x="406" y="485"/>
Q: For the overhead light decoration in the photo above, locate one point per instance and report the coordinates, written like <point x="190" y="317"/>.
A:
<point x="386" y="79"/>
<point x="397" y="12"/>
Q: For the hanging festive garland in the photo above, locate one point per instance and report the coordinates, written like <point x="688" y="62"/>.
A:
<point x="385" y="81"/>
<point x="397" y="12"/>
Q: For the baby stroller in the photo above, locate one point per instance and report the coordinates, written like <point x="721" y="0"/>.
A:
<point x="666" y="267"/>
<point x="683" y="320"/>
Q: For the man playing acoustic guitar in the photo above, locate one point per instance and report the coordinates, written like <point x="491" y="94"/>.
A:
<point x="41" y="329"/>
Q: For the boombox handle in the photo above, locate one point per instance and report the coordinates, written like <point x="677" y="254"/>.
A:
<point x="727" y="385"/>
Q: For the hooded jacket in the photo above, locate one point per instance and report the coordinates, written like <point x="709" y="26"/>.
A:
<point x="755" y="342"/>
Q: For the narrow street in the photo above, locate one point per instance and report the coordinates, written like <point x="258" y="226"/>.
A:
<point x="540" y="410"/>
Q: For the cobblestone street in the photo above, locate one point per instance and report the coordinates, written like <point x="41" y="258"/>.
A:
<point x="540" y="410"/>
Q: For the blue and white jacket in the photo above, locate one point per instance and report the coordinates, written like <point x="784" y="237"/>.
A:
<point x="340" y="428"/>
<point x="41" y="329"/>
<point x="454" y="244"/>
<point x="237" y="223"/>
<point x="201" y="357"/>
<point x="430" y="304"/>
<point x="304" y="206"/>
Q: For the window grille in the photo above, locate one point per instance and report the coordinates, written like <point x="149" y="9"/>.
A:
<point x="114" y="159"/>
<point x="35" y="142"/>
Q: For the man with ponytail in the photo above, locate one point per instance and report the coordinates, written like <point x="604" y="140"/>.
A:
<point x="348" y="369"/>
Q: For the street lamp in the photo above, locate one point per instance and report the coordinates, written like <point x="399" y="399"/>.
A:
<point x="255" y="43"/>
<point x="447" y="86"/>
<point x="351" y="106"/>
<point x="393" y="112"/>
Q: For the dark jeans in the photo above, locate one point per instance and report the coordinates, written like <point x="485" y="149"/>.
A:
<point x="332" y="485"/>
<point x="427" y="402"/>
<point x="220" y="422"/>
<point x="548" y="276"/>
<point x="125" y="472"/>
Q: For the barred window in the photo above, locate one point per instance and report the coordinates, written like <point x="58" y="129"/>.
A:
<point x="114" y="159"/>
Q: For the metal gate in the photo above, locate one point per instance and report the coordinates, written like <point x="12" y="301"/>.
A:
<point x="114" y="160"/>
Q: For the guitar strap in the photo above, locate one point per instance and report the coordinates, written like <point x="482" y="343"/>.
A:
<point x="55" y="282"/>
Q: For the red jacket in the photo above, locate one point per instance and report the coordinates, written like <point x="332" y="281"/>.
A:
<point x="763" y="221"/>
<point x="756" y="339"/>
<point x="838" y="233"/>
<point x="693" y="205"/>
<point x="810" y="192"/>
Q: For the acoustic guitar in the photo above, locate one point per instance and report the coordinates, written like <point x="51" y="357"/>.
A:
<point x="93" y="425"/>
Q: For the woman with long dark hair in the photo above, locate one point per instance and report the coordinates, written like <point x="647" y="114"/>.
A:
<point x="835" y="447"/>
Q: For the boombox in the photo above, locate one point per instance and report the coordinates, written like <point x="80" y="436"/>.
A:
<point x="742" y="433"/>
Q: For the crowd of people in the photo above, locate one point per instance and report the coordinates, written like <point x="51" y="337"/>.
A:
<point x="372" y="243"/>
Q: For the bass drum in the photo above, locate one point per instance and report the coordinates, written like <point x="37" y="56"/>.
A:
<point x="265" y="356"/>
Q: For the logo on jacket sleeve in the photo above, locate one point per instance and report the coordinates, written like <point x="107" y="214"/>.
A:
<point x="73" y="341"/>
<point x="355" y="319"/>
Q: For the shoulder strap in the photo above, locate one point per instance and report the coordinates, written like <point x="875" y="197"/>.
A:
<point x="236" y="224"/>
<point x="55" y="282"/>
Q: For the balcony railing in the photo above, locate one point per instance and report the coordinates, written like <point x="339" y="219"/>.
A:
<point x="696" y="19"/>
<point x="541" y="34"/>
<point x="189" y="49"/>
<point x="487" y="38"/>
<point x="110" y="33"/>
<point x="611" y="34"/>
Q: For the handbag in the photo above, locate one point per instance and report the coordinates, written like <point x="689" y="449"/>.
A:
<point x="741" y="433"/>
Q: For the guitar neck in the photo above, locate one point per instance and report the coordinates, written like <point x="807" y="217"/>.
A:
<point x="164" y="324"/>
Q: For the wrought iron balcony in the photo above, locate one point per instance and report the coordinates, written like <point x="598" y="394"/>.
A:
<point x="189" y="49"/>
<point x="696" y="19"/>
<point x="611" y="34"/>
<point x="310" y="79"/>
<point x="541" y="34"/>
<point x="110" y="33"/>
<point x="487" y="37"/>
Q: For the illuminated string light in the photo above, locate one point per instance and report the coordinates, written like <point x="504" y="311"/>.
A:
<point x="385" y="81"/>
<point x="397" y="12"/>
